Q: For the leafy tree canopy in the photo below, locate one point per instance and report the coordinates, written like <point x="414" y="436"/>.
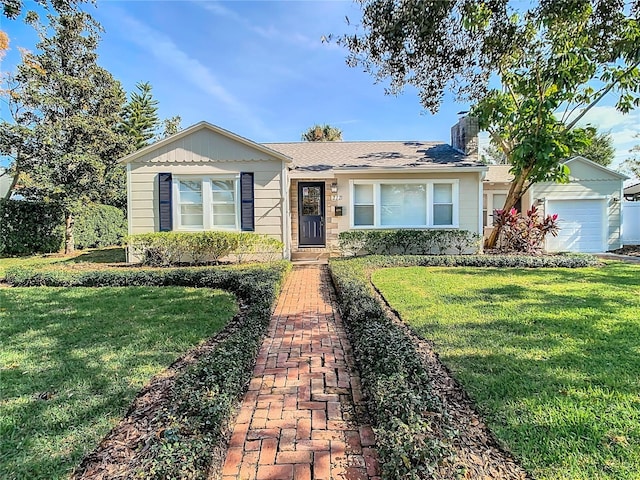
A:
<point x="599" y="149"/>
<point x="555" y="61"/>
<point x="64" y="139"/>
<point x="13" y="8"/>
<point x="322" y="133"/>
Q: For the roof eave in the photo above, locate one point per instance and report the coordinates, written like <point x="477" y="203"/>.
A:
<point x="412" y="169"/>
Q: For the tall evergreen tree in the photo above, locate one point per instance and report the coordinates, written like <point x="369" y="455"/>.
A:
<point x="65" y="139"/>
<point x="599" y="149"/>
<point x="140" y="116"/>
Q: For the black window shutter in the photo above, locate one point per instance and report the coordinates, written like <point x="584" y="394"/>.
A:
<point x="164" y="204"/>
<point x="247" y="223"/>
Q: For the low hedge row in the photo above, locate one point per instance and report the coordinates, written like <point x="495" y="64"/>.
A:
<point x="174" y="248"/>
<point x="203" y="396"/>
<point x="411" y="427"/>
<point x="406" y="241"/>
<point x="412" y="430"/>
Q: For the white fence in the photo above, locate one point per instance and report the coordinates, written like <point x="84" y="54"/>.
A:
<point x="631" y="223"/>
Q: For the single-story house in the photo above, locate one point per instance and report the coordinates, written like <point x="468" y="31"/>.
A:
<point x="588" y="206"/>
<point x="306" y="193"/>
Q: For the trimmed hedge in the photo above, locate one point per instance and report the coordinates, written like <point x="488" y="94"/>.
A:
<point x="203" y="397"/>
<point x="30" y="227"/>
<point x="405" y="241"/>
<point x="175" y="248"/>
<point x="99" y="226"/>
<point x="413" y="432"/>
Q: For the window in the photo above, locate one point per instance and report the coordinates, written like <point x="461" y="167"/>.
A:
<point x="223" y="204"/>
<point x="491" y="200"/>
<point x="442" y="204"/>
<point x="190" y="201"/>
<point x="404" y="203"/>
<point x="363" y="205"/>
<point x="206" y="203"/>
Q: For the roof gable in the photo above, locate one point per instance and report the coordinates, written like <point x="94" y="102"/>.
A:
<point x="584" y="169"/>
<point x="204" y="141"/>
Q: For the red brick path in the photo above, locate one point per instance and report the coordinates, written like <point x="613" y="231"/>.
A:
<point x="297" y="420"/>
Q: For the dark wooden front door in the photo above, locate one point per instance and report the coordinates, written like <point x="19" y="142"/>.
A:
<point x="311" y="214"/>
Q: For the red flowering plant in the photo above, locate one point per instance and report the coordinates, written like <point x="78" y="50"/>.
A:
<point x="524" y="233"/>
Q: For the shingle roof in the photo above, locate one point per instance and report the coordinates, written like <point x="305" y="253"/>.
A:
<point x="323" y="156"/>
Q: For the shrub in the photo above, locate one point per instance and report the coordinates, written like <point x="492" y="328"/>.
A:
<point x="524" y="233"/>
<point x="98" y="226"/>
<point x="404" y="241"/>
<point x="30" y="227"/>
<point x="174" y="248"/>
<point x="409" y="420"/>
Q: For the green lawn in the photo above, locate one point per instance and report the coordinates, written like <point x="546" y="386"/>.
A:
<point x="72" y="360"/>
<point x="551" y="357"/>
<point x="100" y="255"/>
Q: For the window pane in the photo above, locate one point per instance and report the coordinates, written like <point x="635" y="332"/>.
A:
<point x="191" y="215"/>
<point x="363" y="215"/>
<point x="442" y="193"/>
<point x="223" y="190"/>
<point x="363" y="194"/>
<point x="498" y="201"/>
<point x="403" y="204"/>
<point x="443" y="214"/>
<point x="224" y="215"/>
<point x="190" y="191"/>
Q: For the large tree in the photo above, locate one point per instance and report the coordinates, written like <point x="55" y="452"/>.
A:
<point x="64" y="138"/>
<point x="554" y="62"/>
<point x="322" y="133"/>
<point x="599" y="149"/>
<point x="140" y="115"/>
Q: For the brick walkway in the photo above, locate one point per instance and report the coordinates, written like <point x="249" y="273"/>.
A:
<point x="298" y="419"/>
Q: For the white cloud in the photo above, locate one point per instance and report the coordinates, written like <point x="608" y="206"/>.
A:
<point x="166" y="51"/>
<point x="608" y="118"/>
<point x="269" y="32"/>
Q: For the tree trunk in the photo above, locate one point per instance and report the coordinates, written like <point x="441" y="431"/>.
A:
<point x="516" y="192"/>
<point x="69" y="243"/>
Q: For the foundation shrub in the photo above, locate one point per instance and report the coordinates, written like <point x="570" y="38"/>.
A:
<point x="405" y="241"/>
<point x="164" y="249"/>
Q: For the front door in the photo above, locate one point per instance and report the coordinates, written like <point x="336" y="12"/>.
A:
<point x="311" y="214"/>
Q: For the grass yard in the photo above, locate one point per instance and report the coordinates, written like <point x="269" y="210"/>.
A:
<point x="72" y="360"/>
<point x="99" y="255"/>
<point x="550" y="356"/>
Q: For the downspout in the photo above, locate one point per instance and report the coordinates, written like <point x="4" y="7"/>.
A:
<point x="129" y="210"/>
<point x="482" y="176"/>
<point x="286" y="212"/>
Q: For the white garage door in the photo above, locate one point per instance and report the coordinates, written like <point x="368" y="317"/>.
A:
<point x="582" y="226"/>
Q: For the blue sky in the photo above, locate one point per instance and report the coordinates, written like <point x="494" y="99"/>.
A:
<point x="261" y="70"/>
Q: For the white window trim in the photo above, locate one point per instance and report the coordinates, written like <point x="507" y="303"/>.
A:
<point x="455" y="193"/>
<point x="207" y="202"/>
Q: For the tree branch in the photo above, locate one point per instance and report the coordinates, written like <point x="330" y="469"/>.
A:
<point x="600" y="97"/>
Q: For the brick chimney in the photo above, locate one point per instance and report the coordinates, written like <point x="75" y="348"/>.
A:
<point x="464" y="136"/>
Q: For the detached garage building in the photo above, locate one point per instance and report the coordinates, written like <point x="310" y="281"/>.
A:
<point x="589" y="206"/>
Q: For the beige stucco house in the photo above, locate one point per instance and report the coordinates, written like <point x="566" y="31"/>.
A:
<point x="589" y="206"/>
<point x="306" y="193"/>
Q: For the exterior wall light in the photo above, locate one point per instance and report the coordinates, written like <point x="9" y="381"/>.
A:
<point x="334" y="187"/>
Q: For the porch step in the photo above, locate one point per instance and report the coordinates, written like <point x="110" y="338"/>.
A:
<point x="315" y="257"/>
